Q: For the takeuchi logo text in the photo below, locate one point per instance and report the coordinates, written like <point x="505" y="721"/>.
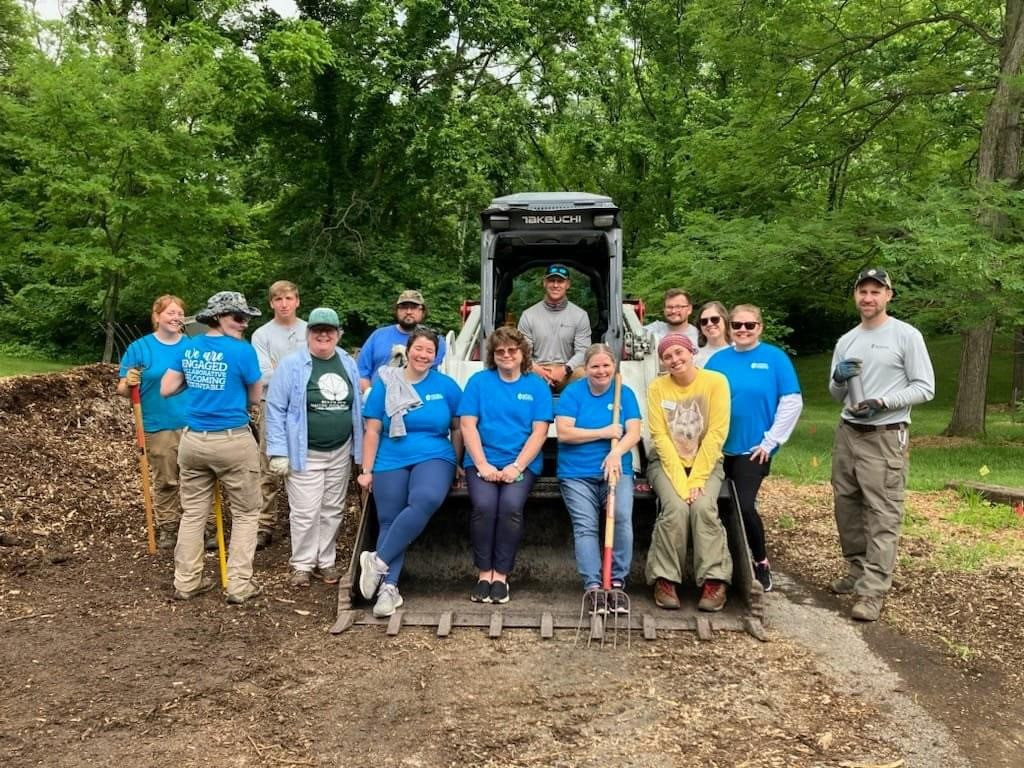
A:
<point x="551" y="219"/>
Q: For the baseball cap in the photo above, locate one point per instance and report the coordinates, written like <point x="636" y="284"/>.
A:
<point x="557" y="270"/>
<point x="323" y="316"/>
<point x="873" y="273"/>
<point x="410" y="297"/>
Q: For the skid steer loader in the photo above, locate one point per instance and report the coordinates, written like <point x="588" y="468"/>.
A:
<point x="521" y="236"/>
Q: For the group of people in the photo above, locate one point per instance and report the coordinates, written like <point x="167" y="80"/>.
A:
<point x="294" y="404"/>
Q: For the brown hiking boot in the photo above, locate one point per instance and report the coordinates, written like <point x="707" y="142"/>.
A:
<point x="866" y="608"/>
<point x="844" y="586"/>
<point x="665" y="594"/>
<point x="712" y="596"/>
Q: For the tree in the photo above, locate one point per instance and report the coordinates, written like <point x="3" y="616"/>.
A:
<point x="125" y="183"/>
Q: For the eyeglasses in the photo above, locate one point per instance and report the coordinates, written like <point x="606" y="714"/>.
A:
<point x="506" y="351"/>
<point x="710" y="320"/>
<point x="408" y="305"/>
<point x="319" y="329"/>
<point x="678" y="306"/>
<point x="239" y="317"/>
<point x="749" y="325"/>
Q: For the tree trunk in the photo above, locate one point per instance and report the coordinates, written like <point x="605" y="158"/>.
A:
<point x="998" y="160"/>
<point x="1017" y="384"/>
<point x="110" y="315"/>
<point x="969" y="409"/>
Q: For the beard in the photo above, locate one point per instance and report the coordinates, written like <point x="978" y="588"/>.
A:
<point x="407" y="325"/>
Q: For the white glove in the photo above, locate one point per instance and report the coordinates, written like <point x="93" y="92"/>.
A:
<point x="279" y="465"/>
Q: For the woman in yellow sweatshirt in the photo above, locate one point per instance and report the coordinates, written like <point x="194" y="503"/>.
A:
<point x="688" y="413"/>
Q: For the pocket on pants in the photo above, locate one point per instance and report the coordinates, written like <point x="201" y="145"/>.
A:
<point x="895" y="486"/>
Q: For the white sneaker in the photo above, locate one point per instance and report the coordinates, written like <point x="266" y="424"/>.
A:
<point x="387" y="601"/>
<point x="370" y="574"/>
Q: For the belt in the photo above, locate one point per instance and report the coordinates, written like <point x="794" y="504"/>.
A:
<point x="218" y="432"/>
<point x="875" y="427"/>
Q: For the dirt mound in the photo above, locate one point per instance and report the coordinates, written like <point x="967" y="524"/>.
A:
<point x="69" y="475"/>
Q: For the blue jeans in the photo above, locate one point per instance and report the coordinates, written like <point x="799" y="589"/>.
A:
<point x="496" y="523"/>
<point x="406" y="499"/>
<point x="586" y="499"/>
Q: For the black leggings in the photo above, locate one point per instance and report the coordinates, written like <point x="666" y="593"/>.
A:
<point x="747" y="476"/>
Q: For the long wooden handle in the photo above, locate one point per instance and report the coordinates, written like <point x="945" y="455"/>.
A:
<point x="609" y="512"/>
<point x="147" y="492"/>
<point x="218" y="516"/>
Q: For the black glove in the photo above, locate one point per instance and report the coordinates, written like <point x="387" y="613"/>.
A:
<point x="865" y="409"/>
<point x="846" y="369"/>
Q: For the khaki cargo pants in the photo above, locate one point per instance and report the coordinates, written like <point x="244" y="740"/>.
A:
<point x="162" y="452"/>
<point x="229" y="456"/>
<point x="677" y="521"/>
<point x="869" y="479"/>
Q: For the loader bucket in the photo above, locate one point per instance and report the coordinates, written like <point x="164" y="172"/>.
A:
<point x="545" y="587"/>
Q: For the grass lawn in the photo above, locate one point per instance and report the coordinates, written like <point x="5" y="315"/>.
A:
<point x="21" y="366"/>
<point x="998" y="458"/>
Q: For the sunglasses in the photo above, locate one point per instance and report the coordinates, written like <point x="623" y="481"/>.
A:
<point x="749" y="325"/>
<point x="318" y="329"/>
<point x="710" y="320"/>
<point x="239" y="317"/>
<point x="506" y="351"/>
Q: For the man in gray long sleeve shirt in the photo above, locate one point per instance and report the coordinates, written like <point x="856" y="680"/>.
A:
<point x="557" y="329"/>
<point x="273" y="342"/>
<point x="885" y="360"/>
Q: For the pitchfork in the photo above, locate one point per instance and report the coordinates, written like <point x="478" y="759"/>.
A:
<point x="609" y="600"/>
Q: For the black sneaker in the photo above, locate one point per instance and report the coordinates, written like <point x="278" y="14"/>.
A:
<point x="763" y="573"/>
<point x="618" y="601"/>
<point x="481" y="592"/>
<point x="596" y="601"/>
<point x="499" y="592"/>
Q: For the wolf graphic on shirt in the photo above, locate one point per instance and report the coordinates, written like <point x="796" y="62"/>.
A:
<point x="686" y="425"/>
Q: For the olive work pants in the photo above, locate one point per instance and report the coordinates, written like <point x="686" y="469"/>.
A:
<point x="162" y="452"/>
<point x="270" y="484"/>
<point x="678" y="521"/>
<point x="228" y="456"/>
<point x="869" y="479"/>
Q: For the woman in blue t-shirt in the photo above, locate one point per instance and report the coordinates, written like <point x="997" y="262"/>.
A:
<point x="143" y="365"/>
<point x="411" y="448"/>
<point x="766" y="403"/>
<point x="593" y="453"/>
<point x="504" y="415"/>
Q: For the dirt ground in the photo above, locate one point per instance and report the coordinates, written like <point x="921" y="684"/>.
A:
<point x="100" y="666"/>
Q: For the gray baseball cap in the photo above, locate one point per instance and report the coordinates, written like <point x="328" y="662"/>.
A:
<point x="323" y="316"/>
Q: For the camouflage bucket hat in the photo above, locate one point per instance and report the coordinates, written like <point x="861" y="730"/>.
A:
<point x="224" y="303"/>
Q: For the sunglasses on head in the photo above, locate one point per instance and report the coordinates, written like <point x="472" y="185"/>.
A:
<point x="710" y="320"/>
<point x="749" y="325"/>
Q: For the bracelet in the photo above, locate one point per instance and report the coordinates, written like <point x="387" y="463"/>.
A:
<point x="366" y="472"/>
<point x="516" y="465"/>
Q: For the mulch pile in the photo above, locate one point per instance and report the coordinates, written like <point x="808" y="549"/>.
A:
<point x="974" y="617"/>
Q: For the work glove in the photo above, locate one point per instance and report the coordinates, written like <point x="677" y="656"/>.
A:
<point x="133" y="377"/>
<point x="865" y="409"/>
<point x="846" y="369"/>
<point x="279" y="465"/>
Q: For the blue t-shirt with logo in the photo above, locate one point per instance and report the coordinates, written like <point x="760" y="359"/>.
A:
<point x="380" y="345"/>
<point x="155" y="357"/>
<point x="506" y="412"/>
<point x="219" y="371"/>
<point x="426" y="427"/>
<point x="757" y="377"/>
<point x="592" y="412"/>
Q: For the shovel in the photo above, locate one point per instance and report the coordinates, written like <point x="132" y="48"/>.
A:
<point x="147" y="492"/>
